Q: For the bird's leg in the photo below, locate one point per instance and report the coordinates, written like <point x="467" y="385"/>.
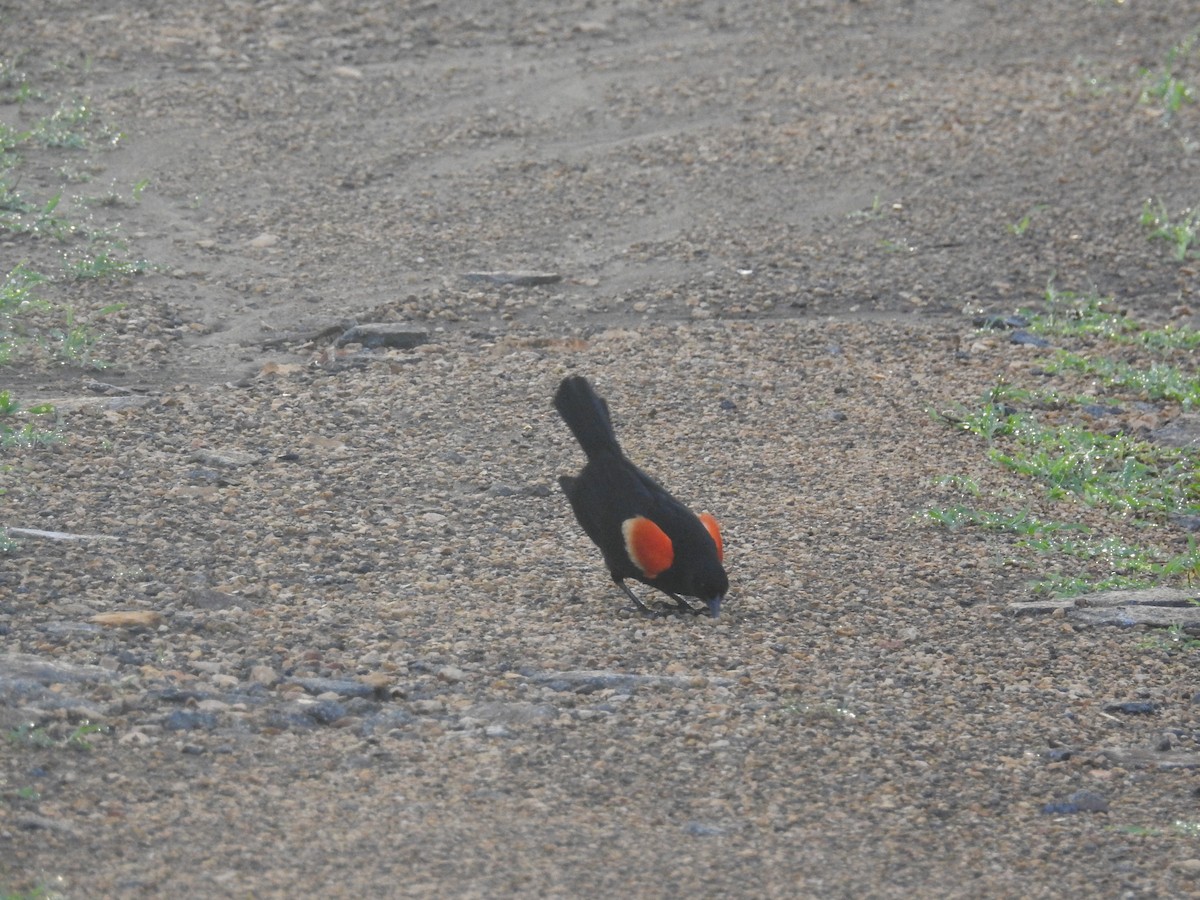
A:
<point x="638" y="605"/>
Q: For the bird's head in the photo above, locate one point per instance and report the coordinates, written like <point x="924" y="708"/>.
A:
<point x="710" y="584"/>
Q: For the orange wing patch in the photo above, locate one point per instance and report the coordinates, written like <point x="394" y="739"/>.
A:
<point x="648" y="546"/>
<point x="714" y="530"/>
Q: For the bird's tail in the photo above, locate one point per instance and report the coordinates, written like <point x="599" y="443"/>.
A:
<point x="586" y="414"/>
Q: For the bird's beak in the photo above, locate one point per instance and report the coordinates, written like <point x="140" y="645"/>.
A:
<point x="714" y="605"/>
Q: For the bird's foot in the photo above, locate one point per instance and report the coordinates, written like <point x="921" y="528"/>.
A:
<point x="683" y="606"/>
<point x="638" y="606"/>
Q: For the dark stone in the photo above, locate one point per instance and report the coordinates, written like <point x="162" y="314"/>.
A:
<point x="343" y="686"/>
<point x="1133" y="708"/>
<point x="22" y="666"/>
<point x="1080" y="801"/>
<point x="190" y="720"/>
<point x="206" y="476"/>
<point x="1000" y="323"/>
<point x="702" y="829"/>
<point x="1099" y="411"/>
<point x="383" y="334"/>
<point x="1162" y="607"/>
<point x="207" y="598"/>
<point x="1031" y="340"/>
<point x="385" y="721"/>
<point x="178" y="695"/>
<point x="291" y="719"/>
<point x="1182" y="431"/>
<point x="326" y="712"/>
<point x="517" y="279"/>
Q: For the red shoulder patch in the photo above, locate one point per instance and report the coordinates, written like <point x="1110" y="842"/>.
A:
<point x="648" y="546"/>
<point x="714" y="530"/>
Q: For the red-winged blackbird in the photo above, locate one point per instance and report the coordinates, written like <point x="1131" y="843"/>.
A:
<point x="643" y="531"/>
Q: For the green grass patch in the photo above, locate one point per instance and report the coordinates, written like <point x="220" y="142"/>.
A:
<point x="1021" y="523"/>
<point x="34" y="893"/>
<point x="1117" y="471"/>
<point x="1172" y="640"/>
<point x="16" y="290"/>
<point x="1021" y="227"/>
<point x="15" y="432"/>
<point x="1071" y="315"/>
<point x="1154" y="380"/>
<point x="103" y="265"/>
<point x="1180" y="827"/>
<point x="1167" y="87"/>
<point x="1097" y="504"/>
<point x="32" y="328"/>
<point x="73" y="126"/>
<point x="33" y="737"/>
<point x="68" y="242"/>
<point x="1180" y="231"/>
<point x="20" y="431"/>
<point x="61" y="249"/>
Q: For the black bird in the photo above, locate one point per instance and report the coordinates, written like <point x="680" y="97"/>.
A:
<point x="643" y="532"/>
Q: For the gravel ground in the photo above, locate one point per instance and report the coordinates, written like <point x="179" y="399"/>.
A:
<point x="331" y="613"/>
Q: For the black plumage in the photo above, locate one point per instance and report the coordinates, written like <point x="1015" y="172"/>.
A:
<point x="643" y="532"/>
